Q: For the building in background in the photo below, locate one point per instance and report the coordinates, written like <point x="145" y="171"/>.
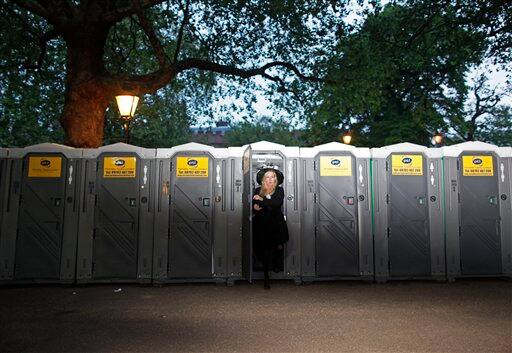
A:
<point x="212" y="135"/>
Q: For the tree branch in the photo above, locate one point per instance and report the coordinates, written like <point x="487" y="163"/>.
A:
<point x="150" y="33"/>
<point x="43" y="40"/>
<point x="180" y="32"/>
<point x="193" y="63"/>
<point x="33" y="7"/>
<point x="119" y="12"/>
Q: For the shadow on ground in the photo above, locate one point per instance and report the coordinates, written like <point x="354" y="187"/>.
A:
<point x="465" y="316"/>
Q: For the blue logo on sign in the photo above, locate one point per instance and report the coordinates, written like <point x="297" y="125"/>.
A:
<point x="407" y="160"/>
<point x="335" y="162"/>
<point x="45" y="163"/>
<point x="192" y="162"/>
<point x="119" y="162"/>
<point x="477" y="161"/>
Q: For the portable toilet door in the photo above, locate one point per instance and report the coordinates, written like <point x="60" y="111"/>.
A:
<point x="409" y="242"/>
<point x="184" y="233"/>
<point x="476" y="205"/>
<point x="41" y="216"/>
<point x="116" y="238"/>
<point x="336" y="225"/>
<point x="286" y="159"/>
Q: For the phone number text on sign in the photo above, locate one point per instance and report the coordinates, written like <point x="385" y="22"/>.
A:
<point x="192" y="167"/>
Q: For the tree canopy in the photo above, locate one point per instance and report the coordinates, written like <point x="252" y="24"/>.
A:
<point x="398" y="73"/>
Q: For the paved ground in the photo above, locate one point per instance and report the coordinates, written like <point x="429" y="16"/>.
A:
<point x="466" y="316"/>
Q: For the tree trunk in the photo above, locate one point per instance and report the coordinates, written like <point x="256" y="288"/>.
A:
<point x="87" y="96"/>
<point x="83" y="117"/>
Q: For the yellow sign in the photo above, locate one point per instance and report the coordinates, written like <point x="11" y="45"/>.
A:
<point x="477" y="166"/>
<point x="407" y="164"/>
<point x="335" y="166"/>
<point x="44" y="167"/>
<point x="119" y="167"/>
<point x="192" y="167"/>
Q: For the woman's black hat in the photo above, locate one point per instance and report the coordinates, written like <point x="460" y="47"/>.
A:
<point x="263" y="170"/>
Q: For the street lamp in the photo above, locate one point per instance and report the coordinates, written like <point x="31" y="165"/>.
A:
<point x="127" y="105"/>
<point x="347" y="137"/>
<point x="438" y="139"/>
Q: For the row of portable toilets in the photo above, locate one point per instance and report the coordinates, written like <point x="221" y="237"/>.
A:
<point x="122" y="213"/>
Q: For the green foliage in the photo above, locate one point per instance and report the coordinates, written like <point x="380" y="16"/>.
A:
<point x="401" y="71"/>
<point x="497" y="128"/>
<point x="264" y="129"/>
<point x="398" y="73"/>
<point x="31" y="97"/>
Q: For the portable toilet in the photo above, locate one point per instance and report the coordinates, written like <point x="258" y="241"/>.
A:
<point x="408" y="212"/>
<point x="336" y="225"/>
<point x="193" y="206"/>
<point x="40" y="218"/>
<point x="478" y="216"/>
<point x="285" y="159"/>
<point x="115" y="242"/>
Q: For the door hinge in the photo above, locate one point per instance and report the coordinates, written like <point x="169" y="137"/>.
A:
<point x="389" y="266"/>
<point x="316" y="231"/>
<point x="314" y="198"/>
<point x="460" y="232"/>
<point x="387" y="198"/>
<point x="387" y="165"/>
<point x="314" y="165"/>
<point x="458" y="197"/>
<point x="94" y="233"/>
<point x="458" y="165"/>
<point x="93" y="267"/>
<point x="388" y="231"/>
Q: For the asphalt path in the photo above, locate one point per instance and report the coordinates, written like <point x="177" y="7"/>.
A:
<point x="465" y="316"/>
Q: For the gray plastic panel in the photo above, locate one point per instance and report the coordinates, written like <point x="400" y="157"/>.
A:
<point x="191" y="214"/>
<point x="451" y="201"/>
<point x="365" y="236"/>
<point x="337" y="245"/>
<point x="480" y="241"/>
<point x="292" y="201"/>
<point x="219" y="204"/>
<point x="409" y="248"/>
<point x="247" y="248"/>
<point x="505" y="183"/>
<point x="408" y="219"/>
<point x="39" y="230"/>
<point x="235" y="217"/>
<point x="3" y="185"/>
<point x="116" y="217"/>
<point x="308" y="191"/>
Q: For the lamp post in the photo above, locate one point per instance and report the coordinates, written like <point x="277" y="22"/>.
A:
<point x="438" y="139"/>
<point x="127" y="105"/>
<point x="347" y="137"/>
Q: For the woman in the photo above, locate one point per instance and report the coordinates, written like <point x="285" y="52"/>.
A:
<point x="269" y="227"/>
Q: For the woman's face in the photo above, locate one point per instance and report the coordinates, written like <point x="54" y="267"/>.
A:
<point x="269" y="179"/>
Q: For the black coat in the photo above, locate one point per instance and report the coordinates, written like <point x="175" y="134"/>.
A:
<point x="269" y="225"/>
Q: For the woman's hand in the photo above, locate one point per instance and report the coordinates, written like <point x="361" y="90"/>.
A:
<point x="257" y="197"/>
<point x="257" y="207"/>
